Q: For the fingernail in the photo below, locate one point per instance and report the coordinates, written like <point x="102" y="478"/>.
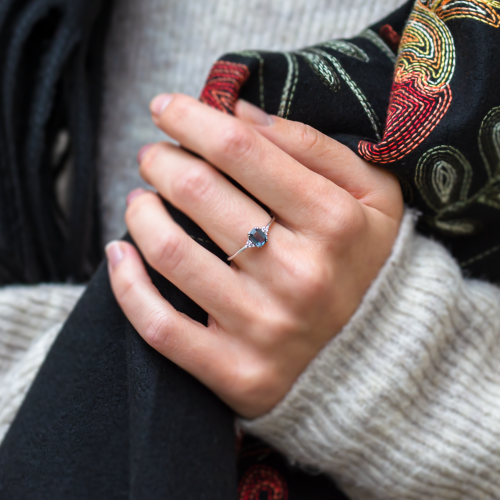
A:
<point x="254" y="114"/>
<point x="142" y="152"/>
<point x="134" y="194"/>
<point x="114" y="253"/>
<point x="159" y="103"/>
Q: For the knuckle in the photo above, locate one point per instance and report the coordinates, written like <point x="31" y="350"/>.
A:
<point x="194" y="185"/>
<point x="309" y="279"/>
<point x="273" y="328"/>
<point x="342" y="220"/>
<point x="149" y="162"/>
<point x="314" y="281"/>
<point x="179" y="108"/>
<point x="134" y="210"/>
<point x="236" y="141"/>
<point x="309" y="138"/>
<point x="167" y="252"/>
<point x="352" y="223"/>
<point x="157" y="330"/>
<point x="125" y="287"/>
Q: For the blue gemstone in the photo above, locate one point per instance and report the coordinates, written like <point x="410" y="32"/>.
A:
<point x="257" y="237"/>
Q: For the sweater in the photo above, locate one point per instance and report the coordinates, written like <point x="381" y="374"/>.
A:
<point x="404" y="403"/>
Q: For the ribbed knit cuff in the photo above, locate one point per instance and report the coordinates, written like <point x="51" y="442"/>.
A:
<point x="405" y="401"/>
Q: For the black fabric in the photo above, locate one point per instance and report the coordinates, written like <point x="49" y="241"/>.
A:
<point x="109" y="418"/>
<point x="50" y="76"/>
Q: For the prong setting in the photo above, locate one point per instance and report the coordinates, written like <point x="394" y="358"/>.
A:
<point x="257" y="238"/>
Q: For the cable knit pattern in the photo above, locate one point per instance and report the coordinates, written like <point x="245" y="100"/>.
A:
<point x="404" y="403"/>
<point x="169" y="46"/>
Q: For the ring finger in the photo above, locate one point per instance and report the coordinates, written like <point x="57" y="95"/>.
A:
<point x="200" y="191"/>
<point x="202" y="276"/>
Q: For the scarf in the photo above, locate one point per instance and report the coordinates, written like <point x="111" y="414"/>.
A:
<point x="417" y="94"/>
<point x="50" y="77"/>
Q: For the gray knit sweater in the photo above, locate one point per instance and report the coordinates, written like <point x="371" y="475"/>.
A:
<point x="405" y="401"/>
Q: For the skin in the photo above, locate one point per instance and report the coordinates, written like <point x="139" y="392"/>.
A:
<point x="274" y="308"/>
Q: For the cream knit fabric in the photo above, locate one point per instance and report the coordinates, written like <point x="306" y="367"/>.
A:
<point x="404" y="403"/>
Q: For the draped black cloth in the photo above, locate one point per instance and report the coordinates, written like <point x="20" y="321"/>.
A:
<point x="108" y="417"/>
<point x="50" y="77"/>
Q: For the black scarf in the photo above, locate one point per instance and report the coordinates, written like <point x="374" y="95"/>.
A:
<point x="431" y="117"/>
<point x="50" y="80"/>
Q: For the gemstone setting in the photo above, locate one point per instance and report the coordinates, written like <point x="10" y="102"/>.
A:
<point x="257" y="237"/>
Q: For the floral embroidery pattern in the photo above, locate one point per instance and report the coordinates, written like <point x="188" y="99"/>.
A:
<point x="262" y="481"/>
<point x="417" y="112"/>
<point x="330" y="70"/>
<point x="421" y="93"/>
<point x="223" y="85"/>
<point x="444" y="177"/>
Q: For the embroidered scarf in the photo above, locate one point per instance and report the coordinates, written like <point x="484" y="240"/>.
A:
<point x="417" y="94"/>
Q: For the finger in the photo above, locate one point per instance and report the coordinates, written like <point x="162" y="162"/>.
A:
<point x="187" y="343"/>
<point x="292" y="191"/>
<point x="223" y="211"/>
<point x="371" y="185"/>
<point x="202" y="276"/>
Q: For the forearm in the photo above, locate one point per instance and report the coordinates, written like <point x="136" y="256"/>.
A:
<point x="405" y="401"/>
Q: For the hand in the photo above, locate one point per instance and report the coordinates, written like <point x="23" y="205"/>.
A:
<point x="275" y="307"/>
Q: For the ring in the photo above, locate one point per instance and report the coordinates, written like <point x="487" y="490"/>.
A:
<point x="257" y="237"/>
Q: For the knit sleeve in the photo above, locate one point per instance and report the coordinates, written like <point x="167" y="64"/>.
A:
<point x="404" y="403"/>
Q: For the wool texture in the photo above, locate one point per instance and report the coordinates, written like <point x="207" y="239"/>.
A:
<point x="404" y="402"/>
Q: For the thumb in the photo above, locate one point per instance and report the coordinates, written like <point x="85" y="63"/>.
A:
<point x="370" y="185"/>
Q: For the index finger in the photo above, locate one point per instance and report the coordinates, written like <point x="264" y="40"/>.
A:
<point x="289" y="189"/>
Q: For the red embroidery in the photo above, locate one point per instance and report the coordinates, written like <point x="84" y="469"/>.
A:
<point x="390" y="36"/>
<point x="262" y="479"/>
<point x="223" y="85"/>
<point x="421" y="92"/>
<point x="413" y="114"/>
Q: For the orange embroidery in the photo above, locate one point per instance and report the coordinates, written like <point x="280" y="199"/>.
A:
<point x="421" y="93"/>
